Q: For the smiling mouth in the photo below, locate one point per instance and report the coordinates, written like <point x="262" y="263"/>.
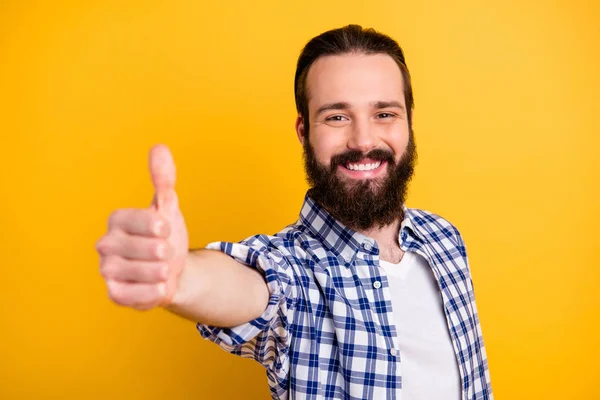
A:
<point x="363" y="167"/>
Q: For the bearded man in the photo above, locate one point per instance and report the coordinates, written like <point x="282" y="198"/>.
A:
<point x="362" y="297"/>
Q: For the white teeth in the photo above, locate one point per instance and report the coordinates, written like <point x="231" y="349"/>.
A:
<point x="364" y="167"/>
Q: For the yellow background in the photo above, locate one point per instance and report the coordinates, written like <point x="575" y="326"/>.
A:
<point x="507" y="129"/>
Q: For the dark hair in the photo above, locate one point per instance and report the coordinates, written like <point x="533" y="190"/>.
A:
<point x="349" y="39"/>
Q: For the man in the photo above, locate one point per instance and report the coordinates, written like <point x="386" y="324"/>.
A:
<point x="361" y="298"/>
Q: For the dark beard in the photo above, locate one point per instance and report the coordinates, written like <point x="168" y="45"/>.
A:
<point x="363" y="204"/>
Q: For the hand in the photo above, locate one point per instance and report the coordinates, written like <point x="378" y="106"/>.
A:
<point x="143" y="253"/>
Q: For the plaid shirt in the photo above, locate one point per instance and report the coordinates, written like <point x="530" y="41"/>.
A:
<point x="328" y="331"/>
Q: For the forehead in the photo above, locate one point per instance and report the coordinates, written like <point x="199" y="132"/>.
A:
<point x="357" y="79"/>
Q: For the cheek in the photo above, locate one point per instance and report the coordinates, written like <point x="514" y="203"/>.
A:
<point x="325" y="147"/>
<point x="398" y="140"/>
<point x="402" y="144"/>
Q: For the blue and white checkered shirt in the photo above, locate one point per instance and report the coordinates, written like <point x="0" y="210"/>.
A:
<point x="328" y="331"/>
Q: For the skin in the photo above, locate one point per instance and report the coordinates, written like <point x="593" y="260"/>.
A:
<point x="144" y="257"/>
<point x="145" y="262"/>
<point x="373" y="116"/>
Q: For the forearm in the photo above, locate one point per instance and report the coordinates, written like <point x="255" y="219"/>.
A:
<point x="214" y="289"/>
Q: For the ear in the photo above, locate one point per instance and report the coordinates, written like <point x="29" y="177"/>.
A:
<point x="300" y="131"/>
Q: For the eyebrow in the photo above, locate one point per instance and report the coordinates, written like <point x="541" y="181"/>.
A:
<point x="345" y="106"/>
<point x="332" y="106"/>
<point x="387" y="104"/>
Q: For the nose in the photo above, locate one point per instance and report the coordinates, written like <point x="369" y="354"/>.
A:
<point x="362" y="137"/>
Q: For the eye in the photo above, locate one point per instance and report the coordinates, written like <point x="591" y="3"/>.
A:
<point x="336" y="118"/>
<point x="385" y="115"/>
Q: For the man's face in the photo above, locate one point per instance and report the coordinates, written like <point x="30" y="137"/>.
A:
<point x="359" y="154"/>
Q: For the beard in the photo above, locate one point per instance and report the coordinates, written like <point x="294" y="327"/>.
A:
<point x="366" y="203"/>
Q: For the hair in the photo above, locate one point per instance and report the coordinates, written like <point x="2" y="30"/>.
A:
<point x="351" y="39"/>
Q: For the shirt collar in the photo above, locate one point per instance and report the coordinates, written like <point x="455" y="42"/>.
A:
<point x="343" y="241"/>
<point x="410" y="225"/>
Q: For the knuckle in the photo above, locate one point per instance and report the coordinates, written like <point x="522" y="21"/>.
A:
<point x="114" y="293"/>
<point x="108" y="268"/>
<point x="117" y="299"/>
<point x="112" y="297"/>
<point x="121" y="298"/>
<point x="161" y="291"/>
<point x="105" y="272"/>
<point x="103" y="245"/>
<point x="99" y="245"/>
<point x="113" y="218"/>
<point x="158" y="248"/>
<point x="163" y="249"/>
<point x="161" y="271"/>
<point x="164" y="229"/>
<point x="120" y="293"/>
<point x="158" y="292"/>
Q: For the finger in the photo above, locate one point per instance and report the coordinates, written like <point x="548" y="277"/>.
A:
<point x="133" y="271"/>
<point x="162" y="172"/>
<point x="139" y="222"/>
<point x="134" y="247"/>
<point x="142" y="296"/>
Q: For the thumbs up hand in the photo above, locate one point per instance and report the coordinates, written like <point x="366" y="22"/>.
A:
<point x="144" y="251"/>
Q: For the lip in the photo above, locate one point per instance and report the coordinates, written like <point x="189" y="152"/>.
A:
<point x="374" y="173"/>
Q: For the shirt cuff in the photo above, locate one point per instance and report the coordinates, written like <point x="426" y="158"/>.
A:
<point x="231" y="339"/>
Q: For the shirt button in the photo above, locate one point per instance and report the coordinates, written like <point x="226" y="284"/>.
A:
<point x="394" y="352"/>
<point x="367" y="246"/>
<point x="376" y="284"/>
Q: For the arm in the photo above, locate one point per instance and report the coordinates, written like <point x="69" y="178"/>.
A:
<point x="146" y="262"/>
<point x="214" y="289"/>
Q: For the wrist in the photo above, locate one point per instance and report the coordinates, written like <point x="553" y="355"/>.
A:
<point x="180" y="300"/>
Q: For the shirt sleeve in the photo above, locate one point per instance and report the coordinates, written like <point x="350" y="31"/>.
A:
<point x="482" y="381"/>
<point x="265" y="339"/>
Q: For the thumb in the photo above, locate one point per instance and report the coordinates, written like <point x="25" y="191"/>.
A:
<point x="162" y="172"/>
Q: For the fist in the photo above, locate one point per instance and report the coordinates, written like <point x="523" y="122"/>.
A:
<point x="144" y="251"/>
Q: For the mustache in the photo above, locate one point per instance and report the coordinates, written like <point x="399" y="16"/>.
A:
<point x="354" y="156"/>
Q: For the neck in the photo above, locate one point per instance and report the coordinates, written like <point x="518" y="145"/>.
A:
<point x="387" y="236"/>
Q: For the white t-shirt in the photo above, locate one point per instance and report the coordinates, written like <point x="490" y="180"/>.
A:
<point x="428" y="362"/>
